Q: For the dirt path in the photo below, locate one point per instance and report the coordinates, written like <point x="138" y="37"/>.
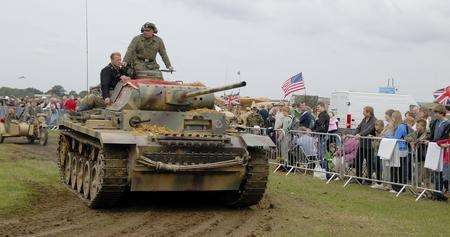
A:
<point x="59" y="213"/>
<point x="67" y="216"/>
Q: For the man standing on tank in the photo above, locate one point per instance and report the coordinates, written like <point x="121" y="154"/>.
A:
<point x="141" y="53"/>
<point x="111" y="75"/>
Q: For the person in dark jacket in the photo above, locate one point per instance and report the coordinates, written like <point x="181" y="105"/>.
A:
<point x="365" y="152"/>
<point x="321" y="126"/>
<point x="306" y="119"/>
<point x="323" y="119"/>
<point x="111" y="75"/>
<point x="264" y="114"/>
<point x="439" y="126"/>
<point x="439" y="130"/>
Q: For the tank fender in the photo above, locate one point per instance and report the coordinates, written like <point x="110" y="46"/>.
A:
<point x="123" y="138"/>
<point x="252" y="140"/>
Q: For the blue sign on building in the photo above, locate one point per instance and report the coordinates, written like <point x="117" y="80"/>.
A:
<point x="387" y="90"/>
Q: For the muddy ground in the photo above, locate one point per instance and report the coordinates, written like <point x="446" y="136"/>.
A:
<point x="57" y="212"/>
<point x="295" y="205"/>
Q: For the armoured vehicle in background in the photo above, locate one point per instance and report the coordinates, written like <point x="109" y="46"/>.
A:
<point x="34" y="128"/>
<point x="160" y="136"/>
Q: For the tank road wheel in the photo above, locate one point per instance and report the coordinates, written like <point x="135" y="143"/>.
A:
<point x="86" y="178"/>
<point x="80" y="170"/>
<point x="96" y="174"/>
<point x="63" y="149"/>
<point x="68" y="168"/>
<point x="108" y="176"/>
<point x="254" y="185"/>
<point x="64" y="159"/>
<point x="95" y="182"/>
<point x="75" y="168"/>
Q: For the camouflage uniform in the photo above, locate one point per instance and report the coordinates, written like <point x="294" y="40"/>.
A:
<point x="91" y="101"/>
<point x="254" y="119"/>
<point x="242" y="118"/>
<point x="141" y="53"/>
<point x="28" y="114"/>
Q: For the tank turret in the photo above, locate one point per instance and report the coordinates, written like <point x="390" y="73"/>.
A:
<point x="157" y="95"/>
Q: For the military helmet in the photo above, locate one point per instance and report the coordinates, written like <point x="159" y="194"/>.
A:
<point x="149" y="25"/>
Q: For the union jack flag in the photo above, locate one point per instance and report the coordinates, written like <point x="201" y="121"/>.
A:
<point x="293" y="84"/>
<point x="233" y="99"/>
<point x="442" y="96"/>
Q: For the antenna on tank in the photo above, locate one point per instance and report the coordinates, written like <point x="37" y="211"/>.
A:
<point x="87" y="45"/>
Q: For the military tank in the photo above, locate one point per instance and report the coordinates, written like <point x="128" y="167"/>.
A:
<point x="160" y="136"/>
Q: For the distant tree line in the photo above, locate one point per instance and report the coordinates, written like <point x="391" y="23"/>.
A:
<point x="56" y="90"/>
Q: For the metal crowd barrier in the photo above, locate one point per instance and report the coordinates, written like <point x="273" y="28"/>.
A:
<point x="311" y="152"/>
<point x="366" y="166"/>
<point x="356" y="159"/>
<point x="435" y="181"/>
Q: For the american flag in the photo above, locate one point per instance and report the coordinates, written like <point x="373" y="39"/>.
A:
<point x="233" y="99"/>
<point x="293" y="84"/>
<point x="442" y="96"/>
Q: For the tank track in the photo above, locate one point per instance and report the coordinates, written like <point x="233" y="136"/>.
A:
<point x="102" y="188"/>
<point x="253" y="187"/>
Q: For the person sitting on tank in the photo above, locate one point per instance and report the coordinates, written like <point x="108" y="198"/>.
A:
<point x="100" y="96"/>
<point x="141" y="53"/>
<point x="91" y="101"/>
<point x="111" y="75"/>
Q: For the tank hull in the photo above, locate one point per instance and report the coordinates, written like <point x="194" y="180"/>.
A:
<point x="100" y="165"/>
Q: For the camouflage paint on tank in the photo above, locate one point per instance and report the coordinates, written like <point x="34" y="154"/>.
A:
<point x="195" y="152"/>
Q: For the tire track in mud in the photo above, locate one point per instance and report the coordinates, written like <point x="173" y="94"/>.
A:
<point x="72" y="218"/>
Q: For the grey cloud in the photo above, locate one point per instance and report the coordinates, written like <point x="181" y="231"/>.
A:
<point x="338" y="44"/>
<point x="230" y="10"/>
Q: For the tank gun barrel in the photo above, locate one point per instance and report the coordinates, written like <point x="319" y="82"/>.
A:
<point x="216" y="89"/>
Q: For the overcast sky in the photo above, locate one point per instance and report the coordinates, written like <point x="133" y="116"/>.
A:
<point x="338" y="45"/>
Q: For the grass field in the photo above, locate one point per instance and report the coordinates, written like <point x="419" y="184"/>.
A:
<point x="302" y="205"/>
<point x="24" y="176"/>
<point x="324" y="209"/>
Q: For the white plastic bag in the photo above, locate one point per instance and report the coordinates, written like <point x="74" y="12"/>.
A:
<point x="319" y="172"/>
<point x="434" y="157"/>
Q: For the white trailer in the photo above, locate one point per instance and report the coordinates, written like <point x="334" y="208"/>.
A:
<point x="348" y="105"/>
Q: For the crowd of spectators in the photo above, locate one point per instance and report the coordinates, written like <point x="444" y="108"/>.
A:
<point x="26" y="107"/>
<point x="414" y="130"/>
<point x="284" y="117"/>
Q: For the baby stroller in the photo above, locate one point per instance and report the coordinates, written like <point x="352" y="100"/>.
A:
<point x="348" y="152"/>
<point x="303" y="151"/>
